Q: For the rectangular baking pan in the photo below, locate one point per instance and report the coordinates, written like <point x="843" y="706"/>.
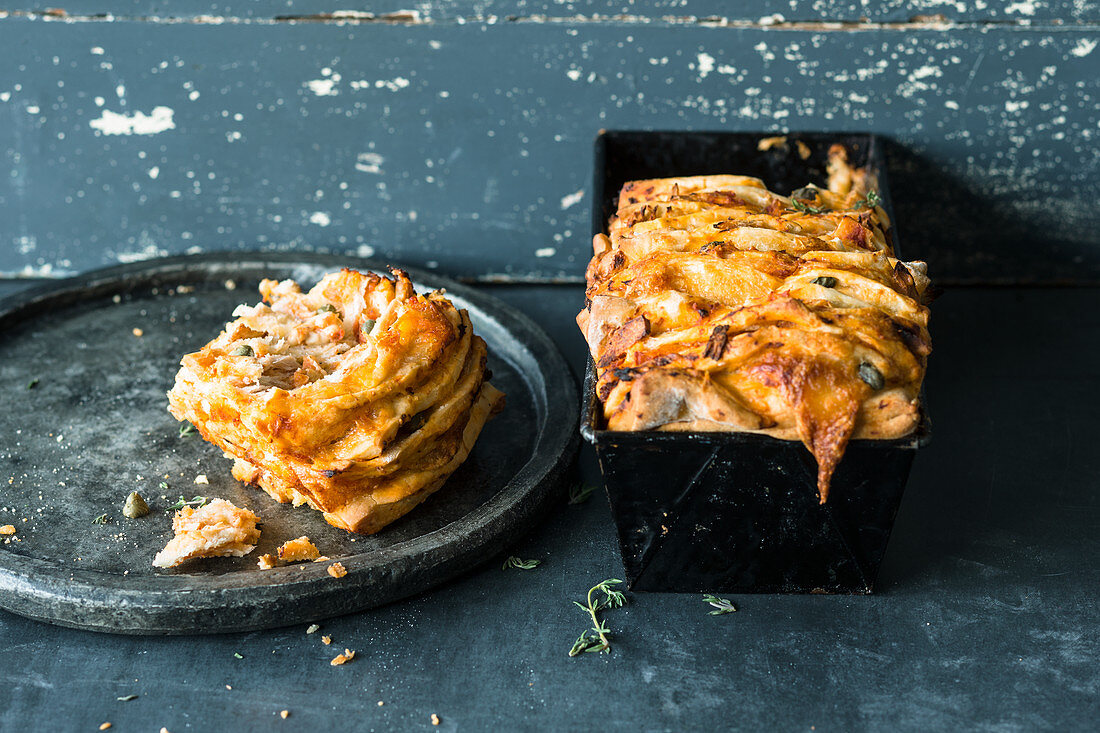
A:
<point x="738" y="512"/>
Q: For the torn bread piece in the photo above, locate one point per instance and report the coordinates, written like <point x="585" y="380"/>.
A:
<point x="359" y="397"/>
<point x="216" y="529"/>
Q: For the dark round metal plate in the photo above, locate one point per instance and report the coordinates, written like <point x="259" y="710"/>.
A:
<point x="84" y="422"/>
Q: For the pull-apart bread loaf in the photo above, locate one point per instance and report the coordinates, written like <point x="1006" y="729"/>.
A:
<point x="359" y="397"/>
<point x="714" y="304"/>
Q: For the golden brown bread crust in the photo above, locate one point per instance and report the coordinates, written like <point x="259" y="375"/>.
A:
<point x="714" y="304"/>
<point x="358" y="398"/>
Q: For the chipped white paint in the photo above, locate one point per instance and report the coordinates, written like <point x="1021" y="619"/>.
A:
<point x="320" y="218"/>
<point x="369" y="162"/>
<point x="365" y="250"/>
<point x="1084" y="47"/>
<point x="148" y="251"/>
<point x="1016" y="106"/>
<point x="574" y="74"/>
<point x="99" y="101"/>
<point x="545" y="252"/>
<point x="1024" y="7"/>
<point x="135" y="123"/>
<point x="705" y="64"/>
<point x="97" y="51"/>
<point x="5" y="96"/>
<point x="193" y="95"/>
<point x="154" y="172"/>
<point x="232" y="136"/>
<point x="324" y="87"/>
<point x="33" y="109"/>
<point x="572" y="199"/>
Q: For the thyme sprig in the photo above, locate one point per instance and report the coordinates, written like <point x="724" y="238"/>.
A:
<point x="518" y="564"/>
<point x="196" y="501"/>
<point x="870" y="201"/>
<point x="101" y="519"/>
<point x="595" y="640"/>
<point x="579" y="493"/>
<point x="186" y="430"/>
<point x="722" y="606"/>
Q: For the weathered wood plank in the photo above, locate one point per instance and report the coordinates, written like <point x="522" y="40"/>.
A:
<point x="468" y="146"/>
<point x="424" y="11"/>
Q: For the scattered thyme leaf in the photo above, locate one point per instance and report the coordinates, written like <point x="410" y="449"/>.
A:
<point x="126" y="698"/>
<point x="870" y="201"/>
<point x="806" y="208"/>
<point x="135" y="506"/>
<point x="722" y="606"/>
<point x="595" y="640"/>
<point x="101" y="519"/>
<point x="518" y="564"/>
<point x="196" y="501"/>
<point x="579" y="493"/>
<point x="237" y="655"/>
<point x="33" y="383"/>
<point x="312" y="629"/>
<point x="163" y="485"/>
<point x="186" y="430"/>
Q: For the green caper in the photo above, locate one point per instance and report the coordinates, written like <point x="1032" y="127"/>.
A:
<point x="872" y="376"/>
<point x="242" y="350"/>
<point x="367" y="326"/>
<point x="825" y="281"/>
<point x="327" y="308"/>
<point x="806" y="193"/>
<point x="135" y="506"/>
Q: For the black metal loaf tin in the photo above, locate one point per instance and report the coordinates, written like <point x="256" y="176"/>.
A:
<point x="738" y="512"/>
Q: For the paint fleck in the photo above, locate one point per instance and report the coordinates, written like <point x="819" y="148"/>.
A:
<point x="545" y="252"/>
<point x="705" y="65"/>
<point x="369" y="162"/>
<point x="572" y="199"/>
<point x="1025" y="7"/>
<point x="154" y="172"/>
<point x="1084" y="47"/>
<point x="320" y="218"/>
<point x="97" y="51"/>
<point x="136" y="123"/>
<point x="574" y="74"/>
<point x="365" y="250"/>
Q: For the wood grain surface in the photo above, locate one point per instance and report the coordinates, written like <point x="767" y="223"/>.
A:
<point x="458" y="136"/>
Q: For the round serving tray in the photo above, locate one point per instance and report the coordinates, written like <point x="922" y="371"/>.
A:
<point x="84" y="367"/>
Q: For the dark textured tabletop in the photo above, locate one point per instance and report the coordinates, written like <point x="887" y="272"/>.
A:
<point x="986" y="615"/>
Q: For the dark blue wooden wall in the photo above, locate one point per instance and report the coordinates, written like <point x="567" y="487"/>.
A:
<point x="457" y="135"/>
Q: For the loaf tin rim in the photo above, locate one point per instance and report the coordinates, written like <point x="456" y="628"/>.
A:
<point x="920" y="437"/>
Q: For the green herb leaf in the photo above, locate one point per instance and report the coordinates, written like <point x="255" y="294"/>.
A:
<point x="187" y="429"/>
<point x="722" y="606"/>
<point x="101" y="519"/>
<point x="127" y="698"/>
<point x="242" y="350"/>
<point x="806" y="208"/>
<point x="595" y="639"/>
<point x="327" y="308"/>
<point x="518" y="564"/>
<point x="33" y="383"/>
<point x="196" y="501"/>
<point x="163" y="485"/>
<point x="579" y="493"/>
<point x="238" y="656"/>
<point x="870" y="201"/>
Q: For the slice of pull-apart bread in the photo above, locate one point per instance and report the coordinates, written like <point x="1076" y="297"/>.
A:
<point x="217" y="529"/>
<point x="359" y="397"/>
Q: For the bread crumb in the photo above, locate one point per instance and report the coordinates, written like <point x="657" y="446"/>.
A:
<point x="7" y="529"/>
<point x="229" y="687"/>
<point x="104" y="726"/>
<point x="138" y="332"/>
<point x="344" y="658"/>
<point x="326" y="640"/>
<point x="322" y="558"/>
<point x="298" y="550"/>
<point x="380" y="703"/>
<point x="284" y="714"/>
<point x="201" y="479"/>
<point x="116" y="298"/>
<point x="803" y="149"/>
<point x="337" y="570"/>
<point x="217" y="529"/>
<point x="771" y="142"/>
<point x="435" y="719"/>
<point x="267" y="561"/>
<point x="230" y="285"/>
